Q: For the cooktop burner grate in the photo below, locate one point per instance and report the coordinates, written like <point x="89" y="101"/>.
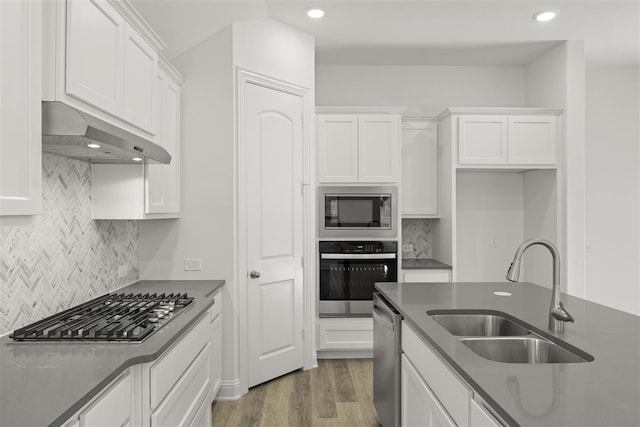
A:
<point x="112" y="317"/>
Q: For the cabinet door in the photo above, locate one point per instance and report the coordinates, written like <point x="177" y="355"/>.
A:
<point x="114" y="407"/>
<point x="162" y="193"/>
<point x="95" y="32"/>
<point x="140" y="70"/>
<point x="532" y="140"/>
<point x="482" y="140"/>
<point x="427" y="276"/>
<point x="216" y="343"/>
<point x="480" y="417"/>
<point x="337" y="148"/>
<point x="419" y="406"/>
<point x="419" y="168"/>
<point x="20" y="108"/>
<point x="379" y="148"/>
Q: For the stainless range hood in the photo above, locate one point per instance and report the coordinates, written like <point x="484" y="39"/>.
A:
<point x="68" y="132"/>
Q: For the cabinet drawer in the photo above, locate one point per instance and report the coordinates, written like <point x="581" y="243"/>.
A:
<point x="165" y="372"/>
<point x="481" y="417"/>
<point x="451" y="392"/>
<point x="113" y="407"/>
<point x="430" y="276"/>
<point x="345" y="334"/>
<point x="186" y="398"/>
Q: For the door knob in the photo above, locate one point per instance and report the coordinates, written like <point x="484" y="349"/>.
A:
<point x="254" y="274"/>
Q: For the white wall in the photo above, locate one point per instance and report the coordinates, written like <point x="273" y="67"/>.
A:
<point x="613" y="187"/>
<point x="556" y="79"/>
<point x="489" y="207"/>
<point x="208" y="225"/>
<point x="425" y="90"/>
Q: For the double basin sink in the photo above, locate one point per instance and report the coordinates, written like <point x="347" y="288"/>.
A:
<point x="499" y="337"/>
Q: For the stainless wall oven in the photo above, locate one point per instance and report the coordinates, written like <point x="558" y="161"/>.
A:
<point x="348" y="272"/>
<point x="357" y="212"/>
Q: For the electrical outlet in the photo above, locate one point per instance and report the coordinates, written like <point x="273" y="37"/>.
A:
<point x="123" y="270"/>
<point x="407" y="247"/>
<point x="192" y="264"/>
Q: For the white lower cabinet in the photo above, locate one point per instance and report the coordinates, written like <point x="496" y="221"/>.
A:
<point x="420" y="407"/>
<point x="432" y="394"/>
<point x="114" y="407"/>
<point x="175" y="390"/>
<point x="426" y="275"/>
<point x="345" y="335"/>
<point x="479" y="416"/>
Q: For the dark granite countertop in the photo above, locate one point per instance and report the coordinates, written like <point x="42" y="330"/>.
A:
<point x="604" y="392"/>
<point x="423" y="264"/>
<point x="47" y="383"/>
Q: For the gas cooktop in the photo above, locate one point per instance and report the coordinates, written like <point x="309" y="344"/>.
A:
<point x="115" y="317"/>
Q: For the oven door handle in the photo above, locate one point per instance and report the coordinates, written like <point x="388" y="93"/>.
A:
<point x="358" y="256"/>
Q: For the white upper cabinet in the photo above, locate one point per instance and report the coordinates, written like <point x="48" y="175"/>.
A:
<point x="379" y="148"/>
<point x="94" y="62"/>
<point x="356" y="147"/>
<point x="483" y="140"/>
<point x="419" y="168"/>
<point x="523" y="136"/>
<point x="20" y="108"/>
<point x="163" y="181"/>
<point x="338" y="148"/>
<point x="140" y="71"/>
<point x="149" y="191"/>
<point x="532" y="140"/>
<point x="101" y="58"/>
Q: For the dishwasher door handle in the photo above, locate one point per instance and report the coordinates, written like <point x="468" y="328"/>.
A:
<point x="380" y="318"/>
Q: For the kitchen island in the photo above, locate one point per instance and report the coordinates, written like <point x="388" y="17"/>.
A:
<point x="48" y="383"/>
<point x="602" y="392"/>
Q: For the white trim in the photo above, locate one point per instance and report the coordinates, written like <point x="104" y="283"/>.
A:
<point x="229" y="390"/>
<point x="512" y="111"/>
<point x="165" y="65"/>
<point x="133" y="17"/>
<point x="359" y="110"/>
<point x="244" y="77"/>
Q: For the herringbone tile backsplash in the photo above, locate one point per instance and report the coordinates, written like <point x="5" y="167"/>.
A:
<point x="418" y="233"/>
<point x="62" y="257"/>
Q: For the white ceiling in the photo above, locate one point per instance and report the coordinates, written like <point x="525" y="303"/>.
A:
<point x="417" y="32"/>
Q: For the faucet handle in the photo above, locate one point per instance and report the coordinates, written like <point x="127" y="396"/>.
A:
<point x="561" y="313"/>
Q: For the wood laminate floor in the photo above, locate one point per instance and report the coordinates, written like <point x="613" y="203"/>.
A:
<point x="339" y="392"/>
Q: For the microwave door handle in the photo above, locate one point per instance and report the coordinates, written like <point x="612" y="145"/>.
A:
<point x="358" y="256"/>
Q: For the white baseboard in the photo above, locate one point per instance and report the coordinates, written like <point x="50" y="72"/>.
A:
<point x="229" y="390"/>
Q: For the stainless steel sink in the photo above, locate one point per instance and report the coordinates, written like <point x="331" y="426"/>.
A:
<point x="477" y="324"/>
<point x="530" y="349"/>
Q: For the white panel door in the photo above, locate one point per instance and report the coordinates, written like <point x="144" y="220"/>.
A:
<point x="20" y="108"/>
<point x="532" y="140"/>
<point x="140" y="70"/>
<point x="482" y="140"/>
<point x="95" y="32"/>
<point x="273" y="125"/>
<point x="379" y="148"/>
<point x="337" y="148"/>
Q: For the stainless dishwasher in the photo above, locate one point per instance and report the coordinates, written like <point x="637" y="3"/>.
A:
<point x="386" y="362"/>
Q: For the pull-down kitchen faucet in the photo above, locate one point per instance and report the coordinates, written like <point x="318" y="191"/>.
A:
<point x="557" y="313"/>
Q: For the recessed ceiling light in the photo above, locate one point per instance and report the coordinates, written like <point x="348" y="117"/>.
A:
<point x="92" y="145"/>
<point x="545" y="15"/>
<point x="137" y="159"/>
<point x="315" y="13"/>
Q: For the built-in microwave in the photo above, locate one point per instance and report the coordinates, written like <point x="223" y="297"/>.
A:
<point x="357" y="212"/>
